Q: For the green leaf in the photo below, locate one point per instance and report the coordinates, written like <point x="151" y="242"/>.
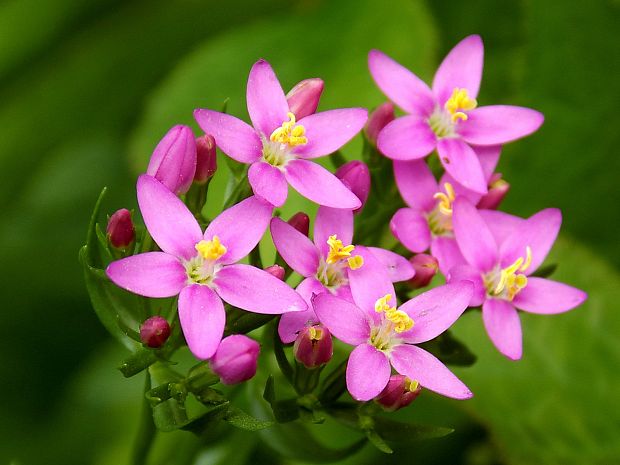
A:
<point x="450" y="350"/>
<point x="170" y="415"/>
<point x="378" y="442"/>
<point x="546" y="271"/>
<point x="334" y="384"/>
<point x="283" y="410"/>
<point x="239" y="419"/>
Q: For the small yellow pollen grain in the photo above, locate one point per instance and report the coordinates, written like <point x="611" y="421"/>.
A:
<point x="290" y="133"/>
<point x="355" y="262"/>
<point x="459" y="100"/>
<point x="337" y="250"/>
<point x="211" y="250"/>
<point x="446" y="200"/>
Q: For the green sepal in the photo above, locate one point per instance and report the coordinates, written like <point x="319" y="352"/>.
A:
<point x="285" y="410"/>
<point x="170" y="415"/>
<point x="247" y="322"/>
<point x="378" y="441"/>
<point x="337" y="159"/>
<point x="545" y="271"/>
<point x="242" y="420"/>
<point x="334" y="385"/>
<point x="450" y="350"/>
<point x="140" y="360"/>
<point x="278" y="350"/>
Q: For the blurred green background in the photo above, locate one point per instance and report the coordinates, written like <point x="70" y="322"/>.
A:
<point x="87" y="88"/>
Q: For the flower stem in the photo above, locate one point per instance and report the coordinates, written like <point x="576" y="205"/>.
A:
<point x="146" y="429"/>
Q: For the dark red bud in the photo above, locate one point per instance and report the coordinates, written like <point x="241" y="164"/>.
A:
<point x="399" y="392"/>
<point x="498" y="188"/>
<point x="276" y="270"/>
<point x="301" y="222"/>
<point x="120" y="229"/>
<point x="206" y="159"/>
<point x="425" y="267"/>
<point x="313" y="346"/>
<point x="155" y="331"/>
<point x="378" y="119"/>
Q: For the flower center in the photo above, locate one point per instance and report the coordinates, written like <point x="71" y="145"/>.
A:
<point x="394" y="321"/>
<point x="443" y="120"/>
<point x="440" y="218"/>
<point x="331" y="270"/>
<point x="203" y="267"/>
<point x="290" y="133"/>
<point x="506" y="283"/>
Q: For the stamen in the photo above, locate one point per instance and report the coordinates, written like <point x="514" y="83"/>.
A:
<point x="411" y="384"/>
<point x="337" y="250"/>
<point x="315" y="333"/>
<point x="401" y="321"/>
<point x="290" y="133"/>
<point x="445" y="200"/>
<point x="459" y="100"/>
<point x="211" y="250"/>
<point x="511" y="281"/>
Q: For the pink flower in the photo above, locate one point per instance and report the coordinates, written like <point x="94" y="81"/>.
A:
<point x="279" y="148"/>
<point x="173" y="162"/>
<point x="427" y="221"/>
<point x="446" y="118"/>
<point x="499" y="261"/>
<point x="201" y="268"/>
<point x="236" y="359"/>
<point x="385" y="335"/>
<point x="325" y="263"/>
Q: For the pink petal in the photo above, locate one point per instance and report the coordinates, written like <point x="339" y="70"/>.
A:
<point x="502" y="323"/>
<point x="447" y="252"/>
<point x="171" y="225"/>
<point x="400" y="85"/>
<point x="368" y="372"/>
<point x="295" y="248"/>
<point x="461" y="68"/>
<point x="343" y="319"/>
<point x="267" y="104"/>
<point x="330" y="221"/>
<point x="468" y="273"/>
<point x="398" y="267"/>
<point x="268" y="183"/>
<point x="488" y="156"/>
<point x="545" y="296"/>
<point x="410" y="227"/>
<point x="329" y="130"/>
<point x="370" y="282"/>
<point x="436" y="310"/>
<point x="498" y="124"/>
<point x="235" y="138"/>
<point x="319" y="185"/>
<point x="473" y="236"/>
<point x="461" y="162"/>
<point x="419" y="365"/>
<point x="257" y="291"/>
<point x="406" y="138"/>
<point x="291" y="323"/>
<point x="501" y="224"/>
<point x="416" y="184"/>
<point x="203" y="318"/>
<point x="240" y="228"/>
<point x="151" y="274"/>
<point x="538" y="232"/>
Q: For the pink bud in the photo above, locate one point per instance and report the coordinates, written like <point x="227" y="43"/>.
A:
<point x="399" y="392"/>
<point x="425" y="267"/>
<point x="378" y="119"/>
<point x="303" y="99"/>
<point x="155" y="331"/>
<point x="120" y="229"/>
<point x="236" y="359"/>
<point x="498" y="188"/>
<point x="173" y="162"/>
<point x="206" y="159"/>
<point x="301" y="222"/>
<point x="313" y="346"/>
<point x="276" y="270"/>
<point x="356" y="176"/>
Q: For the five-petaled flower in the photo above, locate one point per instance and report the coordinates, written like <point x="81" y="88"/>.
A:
<point x="279" y="147"/>
<point x="201" y="268"/>
<point x="385" y="335"/>
<point x="446" y="118"/>
<point x="499" y="261"/>
<point x="325" y="264"/>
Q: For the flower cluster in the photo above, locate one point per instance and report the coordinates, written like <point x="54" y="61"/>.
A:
<point x="444" y="152"/>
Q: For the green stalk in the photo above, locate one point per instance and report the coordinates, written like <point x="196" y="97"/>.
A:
<point x="146" y="429"/>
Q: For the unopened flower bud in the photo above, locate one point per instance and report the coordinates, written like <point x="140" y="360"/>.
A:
<point x="425" y="267"/>
<point x="378" y="119"/>
<point x="206" y="159"/>
<point x="301" y="222"/>
<point x="356" y="176"/>
<point x="313" y="346"/>
<point x="276" y="270"/>
<point x="399" y="392"/>
<point x="155" y="331"/>
<point x="120" y="229"/>
<point x="235" y="359"/>
<point x="303" y="99"/>
<point x="173" y="162"/>
<point x="498" y="188"/>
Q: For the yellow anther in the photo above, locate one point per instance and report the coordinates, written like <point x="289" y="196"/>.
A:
<point x="459" y="100"/>
<point x="510" y="280"/>
<point x="411" y="384"/>
<point x="211" y="250"/>
<point x="290" y="133"/>
<point x="402" y="322"/>
<point x="315" y="333"/>
<point x="337" y="250"/>
<point x="445" y="200"/>
<point x="528" y="259"/>
<point x="381" y="305"/>
<point x="355" y="262"/>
